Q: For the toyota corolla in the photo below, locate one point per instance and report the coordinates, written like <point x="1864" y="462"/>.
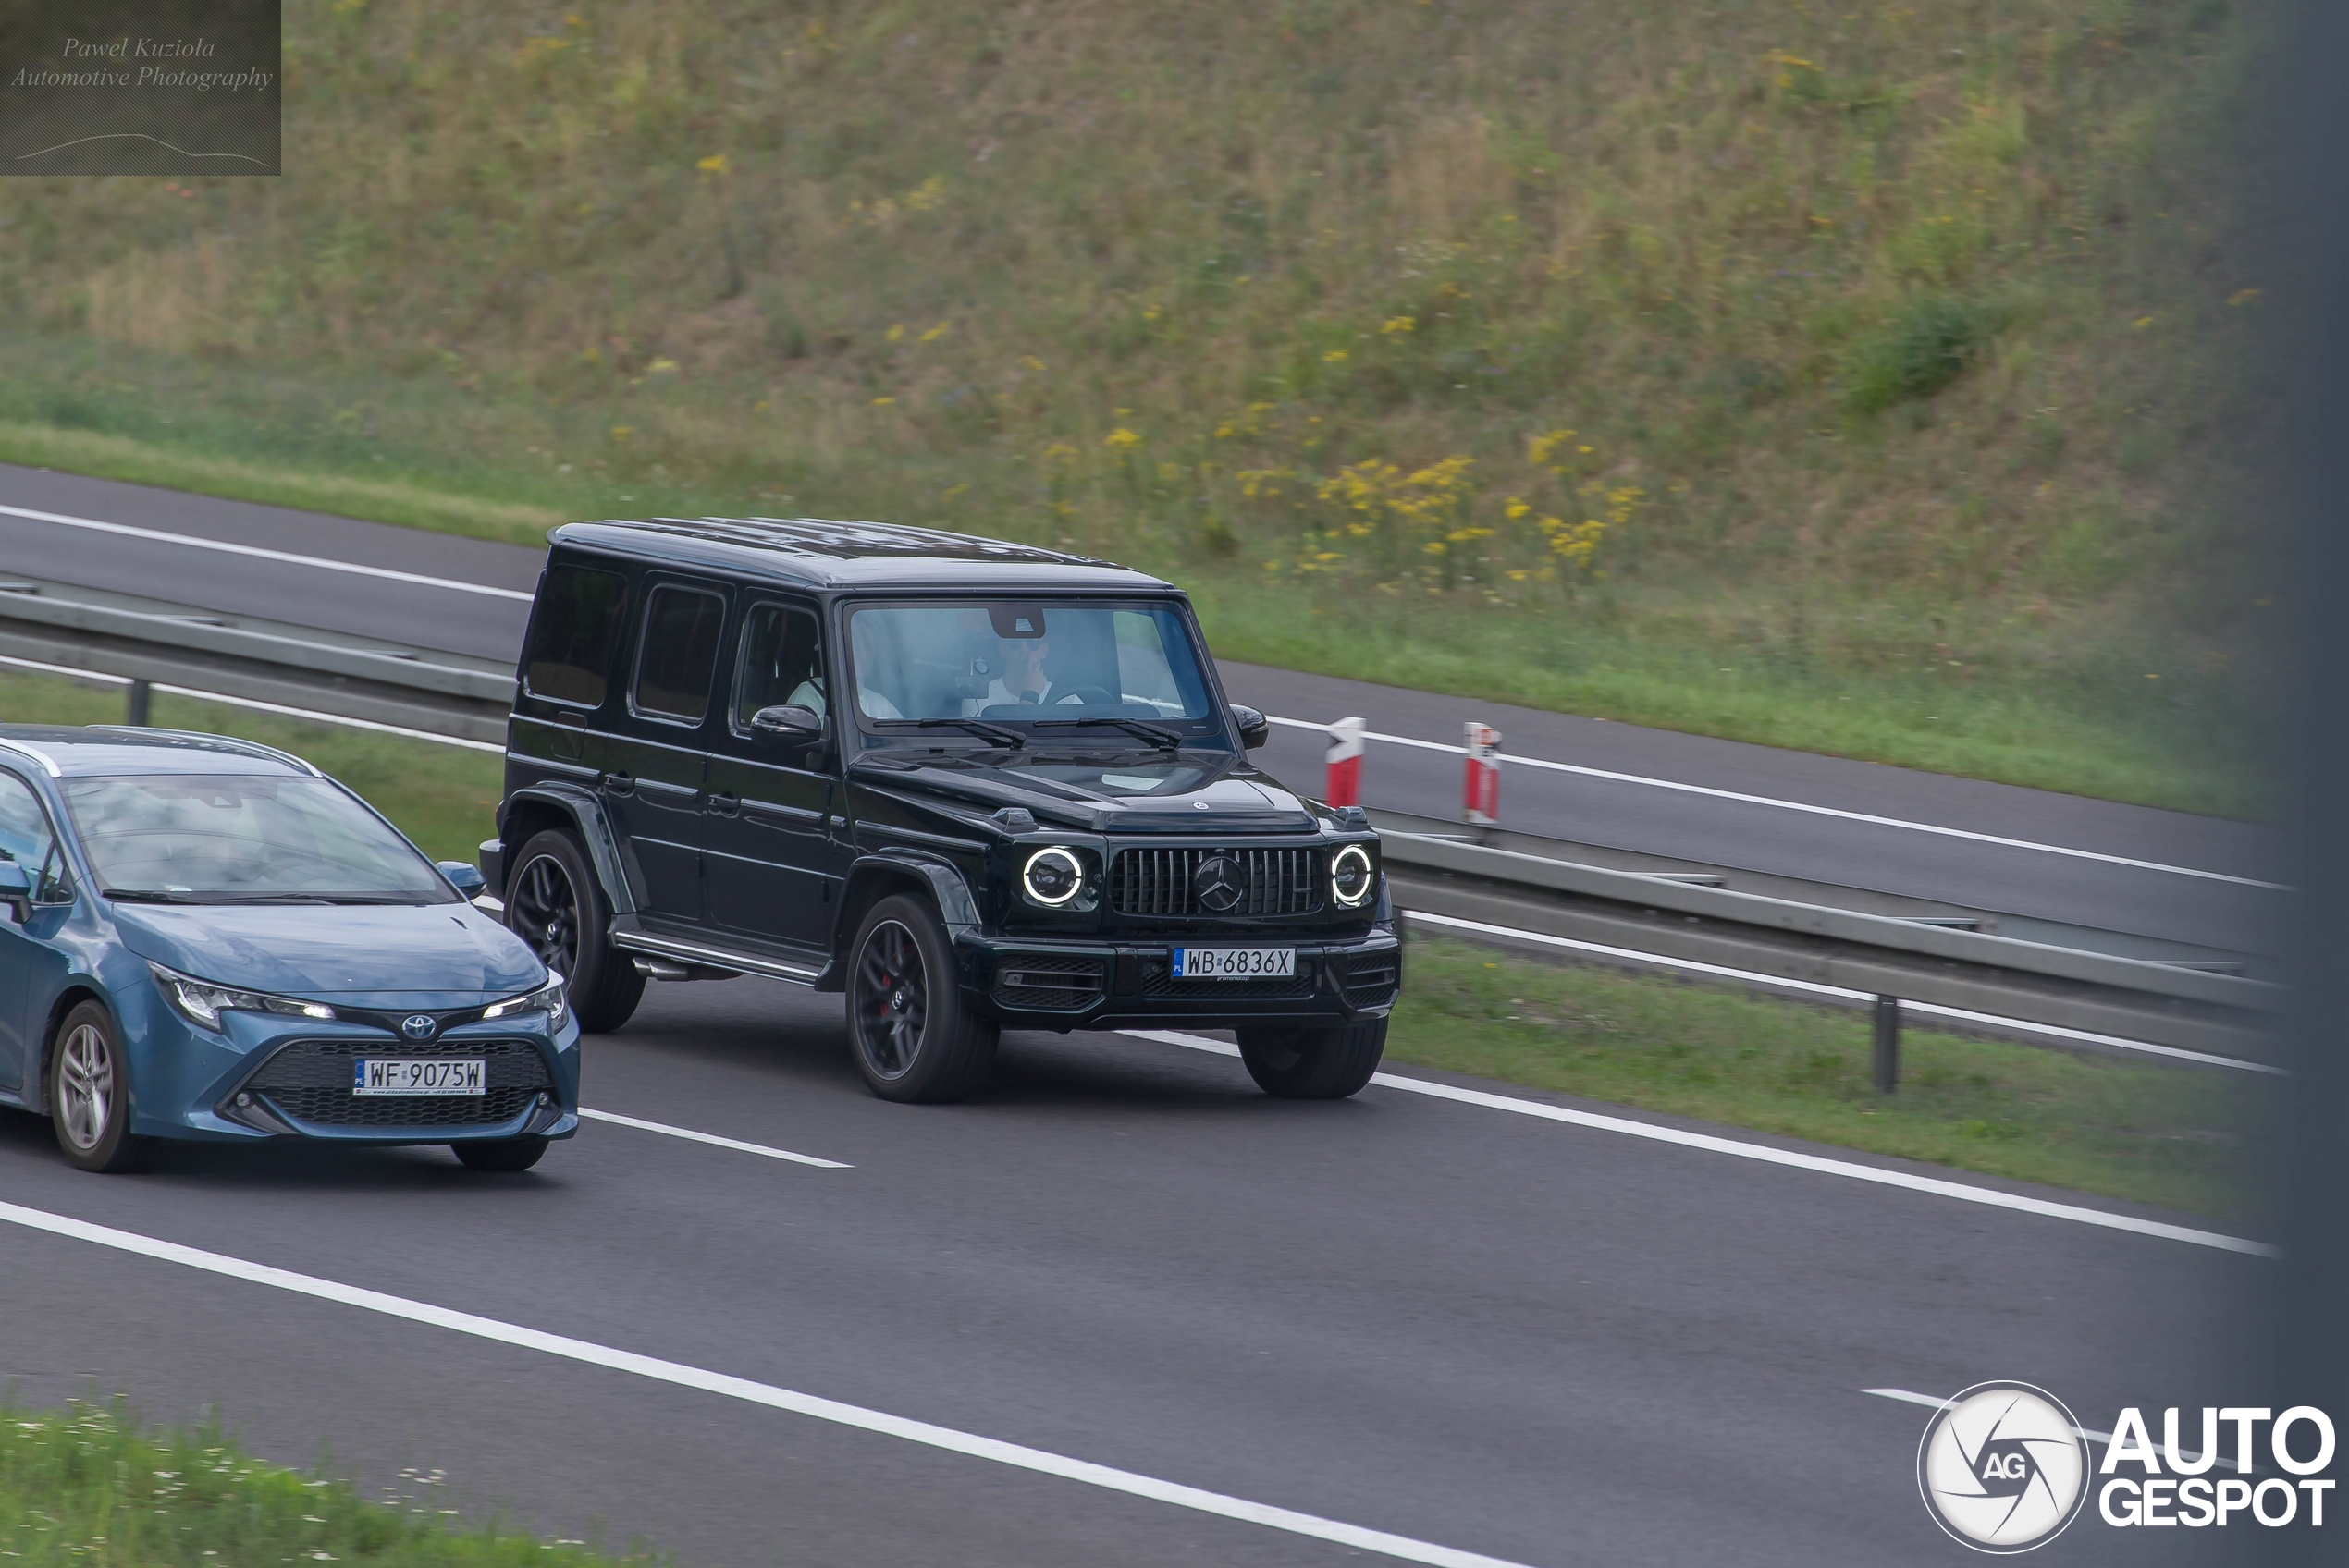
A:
<point x="203" y="938"/>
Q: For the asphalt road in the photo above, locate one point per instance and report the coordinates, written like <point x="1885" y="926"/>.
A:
<point x="1549" y="1343"/>
<point x="1965" y="871"/>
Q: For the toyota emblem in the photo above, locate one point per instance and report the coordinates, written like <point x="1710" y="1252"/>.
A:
<point x="1218" y="883"/>
<point x="418" y="1025"/>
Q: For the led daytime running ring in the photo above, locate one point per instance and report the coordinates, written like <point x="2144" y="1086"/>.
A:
<point x="1075" y="876"/>
<point x="1370" y="878"/>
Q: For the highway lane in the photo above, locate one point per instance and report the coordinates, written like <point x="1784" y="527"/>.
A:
<point x="1546" y="1344"/>
<point x="1623" y="815"/>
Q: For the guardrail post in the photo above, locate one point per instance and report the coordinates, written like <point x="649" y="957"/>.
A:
<point x="1887" y="1043"/>
<point x="141" y="696"/>
<point x="1343" y="787"/>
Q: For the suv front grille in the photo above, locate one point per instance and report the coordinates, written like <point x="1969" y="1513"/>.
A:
<point x="1160" y="882"/>
<point x="1048" y="982"/>
<point x="310" y="1081"/>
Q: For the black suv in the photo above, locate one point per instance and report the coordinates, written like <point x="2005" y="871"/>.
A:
<point x="971" y="784"/>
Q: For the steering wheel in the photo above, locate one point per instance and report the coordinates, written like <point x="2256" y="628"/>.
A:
<point x="1086" y="695"/>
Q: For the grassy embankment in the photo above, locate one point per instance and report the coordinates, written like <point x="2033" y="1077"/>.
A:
<point x="84" y="1486"/>
<point x="2154" y="1135"/>
<point x="1862" y="381"/>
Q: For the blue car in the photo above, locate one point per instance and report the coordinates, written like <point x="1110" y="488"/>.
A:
<point x="203" y="938"/>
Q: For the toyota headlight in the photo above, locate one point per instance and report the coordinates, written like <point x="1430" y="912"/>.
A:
<point x="200" y="1002"/>
<point x="547" y="998"/>
<point x="1053" y="876"/>
<point x="1352" y="876"/>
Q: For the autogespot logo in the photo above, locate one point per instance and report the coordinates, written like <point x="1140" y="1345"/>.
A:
<point x="2003" y="1467"/>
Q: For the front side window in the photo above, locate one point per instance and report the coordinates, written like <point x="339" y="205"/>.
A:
<point x="572" y="634"/>
<point x="1036" y="661"/>
<point x="25" y="838"/>
<point x="187" y="839"/>
<point x="679" y="654"/>
<point x="782" y="664"/>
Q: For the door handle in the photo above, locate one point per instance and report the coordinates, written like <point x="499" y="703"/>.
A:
<point x="619" y="784"/>
<point x="725" y="804"/>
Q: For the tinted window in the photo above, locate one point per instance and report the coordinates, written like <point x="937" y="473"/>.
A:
<point x="781" y="664"/>
<point x="182" y="838"/>
<point x="571" y="636"/>
<point x="679" y="653"/>
<point x="25" y="838"/>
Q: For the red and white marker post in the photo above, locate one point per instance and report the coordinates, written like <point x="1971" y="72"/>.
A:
<point x="1344" y="785"/>
<point x="1480" y="785"/>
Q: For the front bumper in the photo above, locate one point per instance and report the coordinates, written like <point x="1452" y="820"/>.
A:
<point x="1025" y="983"/>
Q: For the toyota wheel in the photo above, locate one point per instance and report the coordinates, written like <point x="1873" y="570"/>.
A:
<point x="90" y="1094"/>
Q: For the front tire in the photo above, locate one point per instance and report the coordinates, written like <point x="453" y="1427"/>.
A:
<point x="912" y="1037"/>
<point x="554" y="902"/>
<point x="1313" y="1064"/>
<point x="499" y="1154"/>
<point x="90" y="1094"/>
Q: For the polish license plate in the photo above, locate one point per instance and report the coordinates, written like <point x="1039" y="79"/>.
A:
<point x="411" y="1075"/>
<point x="1235" y="963"/>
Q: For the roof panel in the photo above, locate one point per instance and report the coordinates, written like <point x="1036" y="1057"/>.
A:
<point x="826" y="553"/>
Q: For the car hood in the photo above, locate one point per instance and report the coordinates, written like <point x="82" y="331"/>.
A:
<point x="394" y="953"/>
<point x="1210" y="793"/>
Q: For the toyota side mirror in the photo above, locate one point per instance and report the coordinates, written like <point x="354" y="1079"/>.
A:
<point x="16" y="890"/>
<point x="464" y="877"/>
<point x="789" y="723"/>
<point x="1255" y="728"/>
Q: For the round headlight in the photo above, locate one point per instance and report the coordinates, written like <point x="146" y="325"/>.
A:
<point x="1053" y="876"/>
<point x="1350" y="877"/>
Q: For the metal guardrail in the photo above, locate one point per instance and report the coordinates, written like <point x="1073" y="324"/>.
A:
<point x="1927" y="955"/>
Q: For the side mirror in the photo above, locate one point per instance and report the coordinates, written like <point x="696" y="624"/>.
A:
<point x="465" y="877"/>
<point x="1255" y="728"/>
<point x="787" y="724"/>
<point x="16" y="890"/>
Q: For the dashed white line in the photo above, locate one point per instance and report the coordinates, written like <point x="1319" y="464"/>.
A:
<point x="1812" y="988"/>
<point x="1849" y="1169"/>
<point x="710" y="1138"/>
<point x="194" y="541"/>
<point x="1805" y="806"/>
<point x="966" y="1443"/>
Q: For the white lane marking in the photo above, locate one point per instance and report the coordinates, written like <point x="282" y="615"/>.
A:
<point x="1848" y="1169"/>
<point x="710" y="1138"/>
<point x="1813" y="988"/>
<point x="260" y="706"/>
<point x="1818" y="811"/>
<point x="256" y="553"/>
<point x="881" y="1422"/>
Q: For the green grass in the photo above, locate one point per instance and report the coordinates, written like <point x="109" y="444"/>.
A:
<point x="1898" y="347"/>
<point x="2179" y="1138"/>
<point x="84" y="1486"/>
<point x="443" y="797"/>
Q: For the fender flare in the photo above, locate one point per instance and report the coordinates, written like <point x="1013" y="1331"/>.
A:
<point x="948" y="887"/>
<point x="586" y="815"/>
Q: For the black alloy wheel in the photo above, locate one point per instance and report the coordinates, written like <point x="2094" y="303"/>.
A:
<point x="554" y="903"/>
<point x="913" y="1038"/>
<point x="1313" y="1064"/>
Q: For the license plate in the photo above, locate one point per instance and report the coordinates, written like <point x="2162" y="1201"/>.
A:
<point x="1235" y="963"/>
<point x="397" y="1075"/>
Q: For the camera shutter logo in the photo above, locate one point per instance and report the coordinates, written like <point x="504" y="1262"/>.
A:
<point x="2003" y="1468"/>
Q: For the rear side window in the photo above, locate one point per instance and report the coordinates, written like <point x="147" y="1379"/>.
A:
<point x="679" y="653"/>
<point x="571" y="636"/>
<point x="26" y="840"/>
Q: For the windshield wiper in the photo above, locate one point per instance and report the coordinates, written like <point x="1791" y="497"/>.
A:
<point x="1159" y="735"/>
<point x="979" y="726"/>
<point x="147" y="896"/>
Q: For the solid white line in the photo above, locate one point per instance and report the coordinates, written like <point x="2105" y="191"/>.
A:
<point x="1849" y="1169"/>
<point x="1817" y="810"/>
<point x="224" y="547"/>
<point x="1813" y="988"/>
<point x="260" y="706"/>
<point x="1905" y="1397"/>
<point x="922" y="1432"/>
<point x="710" y="1138"/>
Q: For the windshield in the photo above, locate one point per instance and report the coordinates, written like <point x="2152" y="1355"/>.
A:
<point x="236" y="839"/>
<point x="1042" y="662"/>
